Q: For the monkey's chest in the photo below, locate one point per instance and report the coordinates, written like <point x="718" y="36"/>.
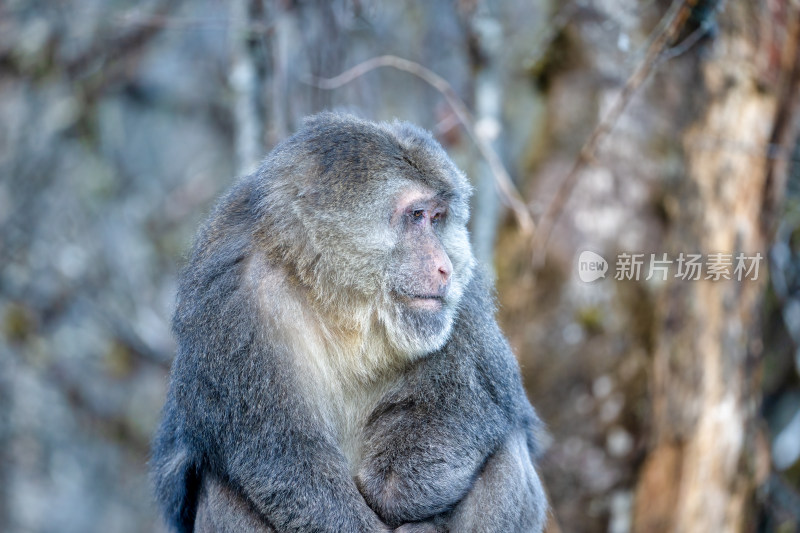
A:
<point x="348" y="416"/>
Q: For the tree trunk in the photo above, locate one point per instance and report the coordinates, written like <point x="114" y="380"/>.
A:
<point x="705" y="459"/>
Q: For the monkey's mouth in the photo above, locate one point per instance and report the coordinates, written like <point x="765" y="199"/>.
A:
<point x="426" y="302"/>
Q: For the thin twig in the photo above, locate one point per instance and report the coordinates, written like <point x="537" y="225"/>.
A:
<point x="688" y="43"/>
<point x="677" y="16"/>
<point x="508" y="192"/>
<point x="785" y="130"/>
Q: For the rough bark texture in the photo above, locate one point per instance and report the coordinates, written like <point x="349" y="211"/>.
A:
<point x="701" y="472"/>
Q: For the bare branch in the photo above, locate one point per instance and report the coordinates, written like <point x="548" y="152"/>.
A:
<point x="508" y="192"/>
<point x="676" y="19"/>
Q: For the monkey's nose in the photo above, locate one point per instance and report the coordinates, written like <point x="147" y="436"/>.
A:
<point x="445" y="269"/>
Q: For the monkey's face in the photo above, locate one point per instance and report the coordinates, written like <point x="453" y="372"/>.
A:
<point x="430" y="264"/>
<point x="371" y="218"/>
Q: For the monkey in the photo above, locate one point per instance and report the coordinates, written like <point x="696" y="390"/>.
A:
<point x="339" y="367"/>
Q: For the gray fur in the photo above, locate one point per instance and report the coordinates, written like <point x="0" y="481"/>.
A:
<point x="306" y="394"/>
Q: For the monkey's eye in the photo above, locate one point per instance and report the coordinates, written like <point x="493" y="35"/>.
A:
<point x="437" y="217"/>
<point x="417" y="214"/>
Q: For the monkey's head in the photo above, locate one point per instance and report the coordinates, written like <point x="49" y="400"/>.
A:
<point x="371" y="219"/>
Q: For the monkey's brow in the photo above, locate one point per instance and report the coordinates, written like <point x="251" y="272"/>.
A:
<point x="445" y="196"/>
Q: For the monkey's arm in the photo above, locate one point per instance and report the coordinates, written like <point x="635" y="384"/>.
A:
<point x="221" y="510"/>
<point x="449" y="486"/>
<point x="248" y="429"/>
<point x="284" y="468"/>
<point x="507" y="496"/>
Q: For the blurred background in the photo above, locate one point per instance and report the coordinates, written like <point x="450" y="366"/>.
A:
<point x="622" y="126"/>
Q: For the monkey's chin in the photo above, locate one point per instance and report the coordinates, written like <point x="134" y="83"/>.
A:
<point x="417" y="329"/>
